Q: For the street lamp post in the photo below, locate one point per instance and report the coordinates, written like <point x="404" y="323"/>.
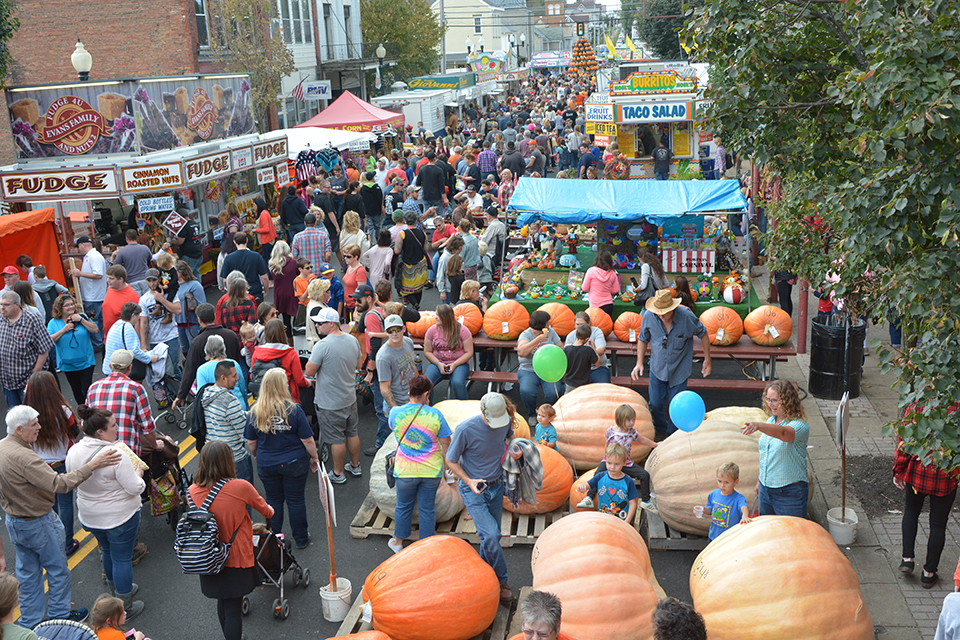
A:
<point x="481" y="43"/>
<point x="517" y="45"/>
<point x="381" y="54"/>
<point x="469" y="44"/>
<point x="82" y="62"/>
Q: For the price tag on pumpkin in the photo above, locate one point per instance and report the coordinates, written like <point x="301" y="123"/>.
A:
<point x="460" y="320"/>
<point x="633" y="335"/>
<point x="505" y="327"/>
<point x="774" y="332"/>
<point x="367" y="615"/>
<point x="720" y="334"/>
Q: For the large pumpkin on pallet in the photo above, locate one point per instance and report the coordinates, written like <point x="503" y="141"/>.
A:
<point x="557" y="480"/>
<point x="599" y="568"/>
<point x="469" y="316"/>
<point x="627" y="326"/>
<point x="600" y="319"/>
<point x="777" y="577"/>
<point x="419" y="328"/>
<point x="363" y="635"/>
<point x="723" y="325"/>
<point x="447" y="503"/>
<point x="456" y="411"/>
<point x="768" y="326"/>
<point x="583" y="416"/>
<point x="561" y="318"/>
<point x="505" y="320"/>
<point x="438" y="587"/>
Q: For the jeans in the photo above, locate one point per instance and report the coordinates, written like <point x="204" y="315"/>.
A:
<point x="530" y="385"/>
<point x="433" y="203"/>
<point x="662" y="176"/>
<point x="486" y="509"/>
<point x="374" y="224"/>
<point x="194" y="264"/>
<point x="600" y="374"/>
<point x="39" y="545"/>
<point x="173" y="352"/>
<point x="13" y="397"/>
<point x="790" y="500"/>
<point x="294" y="229"/>
<point x="117" y="544"/>
<point x="940" y="507"/>
<point x="286" y="483"/>
<point x="660" y="397"/>
<point x="186" y="336"/>
<point x="423" y="491"/>
<point x="383" y="412"/>
<point x="94" y="311"/>
<point x="265" y="251"/>
<point x="896" y="333"/>
<point x="63" y="506"/>
<point x="785" y="296"/>
<point x="245" y="469"/>
<point x="458" y="379"/>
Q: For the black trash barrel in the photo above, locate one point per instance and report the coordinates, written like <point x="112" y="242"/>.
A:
<point x="828" y="359"/>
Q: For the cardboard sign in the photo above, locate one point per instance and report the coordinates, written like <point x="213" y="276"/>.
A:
<point x="152" y="177"/>
<point x="154" y="205"/>
<point x="175" y="222"/>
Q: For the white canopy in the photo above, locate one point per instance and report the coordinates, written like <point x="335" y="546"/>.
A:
<point x="319" y="138"/>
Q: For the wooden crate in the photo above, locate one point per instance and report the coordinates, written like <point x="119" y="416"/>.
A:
<point x="660" y="537"/>
<point x="354" y="622"/>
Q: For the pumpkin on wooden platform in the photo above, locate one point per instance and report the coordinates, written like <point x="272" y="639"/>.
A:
<point x="777" y="577"/>
<point x="601" y="320"/>
<point x="363" y="635"/>
<point x="576" y="495"/>
<point x="456" y="411"/>
<point x="738" y="416"/>
<point x="583" y="416"/>
<point x="419" y="328"/>
<point x="561" y="318"/>
<point x="447" y="503"/>
<point x="768" y="326"/>
<point x="723" y="325"/>
<point x="599" y="568"/>
<point x="469" y="316"/>
<point x="505" y="320"/>
<point x="557" y="480"/>
<point x="627" y="326"/>
<point x="438" y="587"/>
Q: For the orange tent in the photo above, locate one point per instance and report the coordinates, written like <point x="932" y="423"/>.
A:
<point x="32" y="233"/>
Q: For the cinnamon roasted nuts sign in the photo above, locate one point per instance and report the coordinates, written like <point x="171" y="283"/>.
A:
<point x="75" y="184"/>
<point x="152" y="177"/>
<point x="207" y="167"/>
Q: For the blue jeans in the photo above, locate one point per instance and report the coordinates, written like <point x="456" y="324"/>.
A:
<point x="13" y="397"/>
<point x="600" y="374"/>
<point x="458" y="379"/>
<point x="194" y="264"/>
<point x="374" y="224"/>
<point x="245" y="469"/>
<point x="94" y="311"/>
<point x="117" y="545"/>
<point x="433" y="203"/>
<point x="486" y="509"/>
<point x="294" y="229"/>
<point x="186" y="336"/>
<point x="790" y="500"/>
<point x="423" y="491"/>
<point x="530" y="385"/>
<point x="286" y="483"/>
<point x="896" y="333"/>
<point x="662" y="176"/>
<point x="39" y="545"/>
<point x="64" y="508"/>
<point x="383" y="412"/>
<point x="660" y="397"/>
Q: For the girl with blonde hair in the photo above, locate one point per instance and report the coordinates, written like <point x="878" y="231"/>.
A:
<point x="318" y="295"/>
<point x="352" y="233"/>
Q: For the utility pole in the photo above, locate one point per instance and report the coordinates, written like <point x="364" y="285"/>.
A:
<point x="443" y="42"/>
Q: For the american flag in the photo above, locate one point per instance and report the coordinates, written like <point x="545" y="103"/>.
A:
<point x="298" y="91"/>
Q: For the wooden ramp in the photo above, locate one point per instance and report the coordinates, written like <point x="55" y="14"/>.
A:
<point x="660" y="537"/>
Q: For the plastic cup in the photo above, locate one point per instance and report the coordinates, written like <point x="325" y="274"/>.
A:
<point x="698" y="511"/>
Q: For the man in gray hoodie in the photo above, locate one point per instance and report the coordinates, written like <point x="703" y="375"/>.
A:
<point x="226" y="418"/>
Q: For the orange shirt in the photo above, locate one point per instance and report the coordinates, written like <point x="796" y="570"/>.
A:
<point x="353" y="174"/>
<point x="109" y="633"/>
<point x="229" y="508"/>
<point x="268" y="233"/>
<point x="300" y="287"/>
<point x="113" y="302"/>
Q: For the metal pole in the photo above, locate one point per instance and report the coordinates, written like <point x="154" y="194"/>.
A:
<point x="443" y="43"/>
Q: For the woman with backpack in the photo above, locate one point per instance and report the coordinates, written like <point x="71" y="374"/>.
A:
<point x="229" y="507"/>
<point x="274" y="353"/>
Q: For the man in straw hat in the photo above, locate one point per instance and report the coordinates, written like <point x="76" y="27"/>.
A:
<point x="669" y="328"/>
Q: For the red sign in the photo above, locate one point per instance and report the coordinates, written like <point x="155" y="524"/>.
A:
<point x="201" y="115"/>
<point x="72" y="125"/>
<point x="175" y="222"/>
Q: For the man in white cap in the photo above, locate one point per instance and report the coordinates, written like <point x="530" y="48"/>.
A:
<point x="475" y="456"/>
<point x="334" y="361"/>
<point x="396" y="365"/>
<point x="670" y="329"/>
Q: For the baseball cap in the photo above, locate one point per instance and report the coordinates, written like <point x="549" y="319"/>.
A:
<point x="83" y="239"/>
<point x="392" y="321"/>
<point x="324" y="314"/>
<point x="325" y="268"/>
<point x="471" y="187"/>
<point x="152" y="273"/>
<point x="10" y="271"/>
<point x="363" y="291"/>
<point x="532" y="142"/>
<point x="121" y="358"/>
<point x="493" y="406"/>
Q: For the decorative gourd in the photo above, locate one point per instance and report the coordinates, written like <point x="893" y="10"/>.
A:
<point x="768" y="326"/>
<point x="419" y="328"/>
<point x="469" y="316"/>
<point x="723" y="325"/>
<point x="505" y="320"/>
<point x="456" y="411"/>
<point x="438" y="587"/>
<point x="777" y="577"/>
<point x="600" y="319"/>
<point x="586" y="560"/>
<point x="557" y="480"/>
<point x="561" y="318"/>
<point x="738" y="416"/>
<point x="583" y="416"/>
<point x="447" y="504"/>
<point x="363" y="635"/>
<point x="576" y="495"/>
<point x="627" y="326"/>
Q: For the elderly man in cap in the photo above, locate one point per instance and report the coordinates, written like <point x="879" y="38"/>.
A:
<point x="670" y="329"/>
<point x="334" y="361"/>
<point x="24" y="347"/>
<point x="11" y="276"/>
<point x="27" y="492"/>
<point x="93" y="285"/>
<point x="475" y="456"/>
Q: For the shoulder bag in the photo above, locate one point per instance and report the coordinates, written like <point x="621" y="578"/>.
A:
<point x="389" y="458"/>
<point x="138" y="372"/>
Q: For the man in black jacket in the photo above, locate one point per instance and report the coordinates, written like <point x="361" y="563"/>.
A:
<point x="433" y="180"/>
<point x="292" y="211"/>
<point x="514" y="161"/>
<point x="196" y="356"/>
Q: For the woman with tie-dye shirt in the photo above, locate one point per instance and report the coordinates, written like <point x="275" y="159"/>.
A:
<point x="423" y="436"/>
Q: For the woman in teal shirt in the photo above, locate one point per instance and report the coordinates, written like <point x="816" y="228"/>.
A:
<point x="72" y="331"/>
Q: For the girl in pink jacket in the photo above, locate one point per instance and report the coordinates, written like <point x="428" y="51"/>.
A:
<point x="601" y="283"/>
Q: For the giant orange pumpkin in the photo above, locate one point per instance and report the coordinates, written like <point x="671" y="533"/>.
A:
<point x="505" y="320"/>
<point x="576" y="495"/>
<point x="599" y="568"/>
<point x="469" y="316"/>
<point x="438" y="587"/>
<point x="627" y="326"/>
<point x="419" y="328"/>
<point x="777" y="577"/>
<point x="557" y="479"/>
<point x="601" y="320"/>
<point x="363" y="635"/>
<point x="447" y="501"/>
<point x="456" y="411"/>
<point x="723" y="325"/>
<point x="768" y="326"/>
<point x="583" y="416"/>
<point x="561" y="318"/>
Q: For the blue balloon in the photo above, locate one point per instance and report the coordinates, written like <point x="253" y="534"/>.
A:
<point x="687" y="410"/>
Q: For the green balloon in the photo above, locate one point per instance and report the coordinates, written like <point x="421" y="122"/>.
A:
<point x="550" y="363"/>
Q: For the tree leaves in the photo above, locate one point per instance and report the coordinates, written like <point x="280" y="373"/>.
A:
<point x="9" y="25"/>
<point x="409" y="24"/>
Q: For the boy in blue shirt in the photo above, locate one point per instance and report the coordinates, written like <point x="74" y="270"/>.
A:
<point x="616" y="491"/>
<point x="336" y="287"/>
<point x="546" y="434"/>
<point x="726" y="506"/>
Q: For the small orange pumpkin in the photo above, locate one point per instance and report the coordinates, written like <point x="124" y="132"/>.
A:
<point x="600" y="319"/>
<point x="768" y="326"/>
<point x="723" y="324"/>
<point x="419" y="328"/>
<point x="576" y="495"/>
<point x="506" y="320"/>
<point x="469" y="316"/>
<point x="627" y="326"/>
<point x="561" y="318"/>
<point x="557" y="480"/>
<point x="363" y="635"/>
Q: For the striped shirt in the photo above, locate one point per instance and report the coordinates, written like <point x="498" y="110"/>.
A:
<point x="226" y="420"/>
<point x="783" y="463"/>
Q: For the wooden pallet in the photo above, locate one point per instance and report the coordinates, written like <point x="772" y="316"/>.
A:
<point x="514" y="528"/>
<point x="660" y="537"/>
<point x="354" y="622"/>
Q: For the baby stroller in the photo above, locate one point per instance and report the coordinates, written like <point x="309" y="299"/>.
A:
<point x="164" y="392"/>
<point x="166" y="482"/>
<point x="274" y="560"/>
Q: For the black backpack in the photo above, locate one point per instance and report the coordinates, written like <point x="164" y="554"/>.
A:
<point x="198" y="545"/>
<point x="257" y="371"/>
<point x="198" y="424"/>
<point x="47" y="298"/>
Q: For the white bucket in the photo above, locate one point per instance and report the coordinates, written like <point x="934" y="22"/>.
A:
<point x="336" y="605"/>
<point x="844" y="531"/>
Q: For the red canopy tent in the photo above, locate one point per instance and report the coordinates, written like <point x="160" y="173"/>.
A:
<point x="350" y="113"/>
<point x="33" y="233"/>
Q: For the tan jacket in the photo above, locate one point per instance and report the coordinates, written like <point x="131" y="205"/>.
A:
<point x="28" y="484"/>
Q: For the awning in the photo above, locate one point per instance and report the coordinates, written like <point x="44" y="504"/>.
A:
<point x="319" y="138"/>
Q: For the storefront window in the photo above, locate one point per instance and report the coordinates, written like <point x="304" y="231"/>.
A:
<point x="202" y="38"/>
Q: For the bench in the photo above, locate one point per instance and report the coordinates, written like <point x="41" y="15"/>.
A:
<point x="697" y="384"/>
<point x="492" y="378"/>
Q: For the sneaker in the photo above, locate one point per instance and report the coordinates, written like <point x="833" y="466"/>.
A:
<point x="371" y="451"/>
<point x="78" y="615"/>
<point x="507" y="386"/>
<point x="355" y="471"/>
<point x="309" y="537"/>
<point x="336" y="479"/>
<point x="586" y="503"/>
<point x="396" y="547"/>
<point x="73" y="547"/>
<point x="649" y="507"/>
<point x="139" y="551"/>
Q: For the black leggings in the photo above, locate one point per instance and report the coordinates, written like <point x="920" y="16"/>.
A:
<point x="636" y="472"/>
<point x="288" y="323"/>
<point x="230" y="614"/>
<point x="79" y="382"/>
<point x="939" y="513"/>
<point x="785" y="296"/>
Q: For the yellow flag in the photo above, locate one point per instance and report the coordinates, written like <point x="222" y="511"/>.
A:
<point x="684" y="47"/>
<point x="611" y="50"/>
<point x="630" y="43"/>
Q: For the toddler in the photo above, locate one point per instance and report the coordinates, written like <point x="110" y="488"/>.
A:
<point x="546" y="434"/>
<point x="624" y="434"/>
<point x="725" y="505"/>
<point x="107" y="617"/>
<point x="618" y="493"/>
<point x="248" y="342"/>
<point x="581" y="356"/>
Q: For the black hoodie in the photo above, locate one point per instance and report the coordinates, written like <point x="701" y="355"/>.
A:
<point x="293" y="210"/>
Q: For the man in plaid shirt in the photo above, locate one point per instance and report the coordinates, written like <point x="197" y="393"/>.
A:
<point x="24" y="346"/>
<point x="487" y="161"/>
<point x="312" y="243"/>
<point x="126" y="400"/>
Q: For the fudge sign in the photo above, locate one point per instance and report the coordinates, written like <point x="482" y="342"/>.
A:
<point x="59" y="185"/>
<point x="207" y="167"/>
<point x="73" y="126"/>
<point x="269" y="152"/>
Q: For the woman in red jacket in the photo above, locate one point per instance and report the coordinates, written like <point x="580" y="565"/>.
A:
<point x="276" y="349"/>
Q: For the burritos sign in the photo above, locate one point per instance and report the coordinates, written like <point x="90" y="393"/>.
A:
<point x="654" y="83"/>
<point x="60" y="185"/>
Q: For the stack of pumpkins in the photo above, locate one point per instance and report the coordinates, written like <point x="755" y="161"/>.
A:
<point x="767" y="326"/>
<point x="584" y="59"/>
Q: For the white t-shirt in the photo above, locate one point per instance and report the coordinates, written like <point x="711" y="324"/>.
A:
<point x="92" y="290"/>
<point x="157" y="332"/>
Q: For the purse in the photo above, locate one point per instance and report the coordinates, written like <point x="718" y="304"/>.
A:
<point x="191" y="301"/>
<point x="389" y="458"/>
<point x="138" y="371"/>
<point x="164" y="496"/>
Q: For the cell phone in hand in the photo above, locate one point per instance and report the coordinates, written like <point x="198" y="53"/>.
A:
<point x="633" y="281"/>
<point x="483" y="290"/>
<point x="481" y="486"/>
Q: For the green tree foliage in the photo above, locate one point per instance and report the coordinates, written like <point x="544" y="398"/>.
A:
<point x="857" y="106"/>
<point x="659" y="33"/>
<point x="245" y="37"/>
<point x="631" y="13"/>
<point x="410" y="25"/>
<point x="9" y="25"/>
